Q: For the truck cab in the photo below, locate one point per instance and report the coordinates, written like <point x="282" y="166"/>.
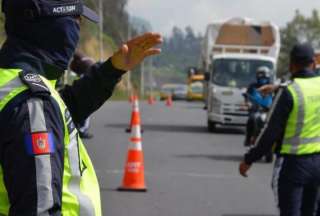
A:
<point x="230" y="75"/>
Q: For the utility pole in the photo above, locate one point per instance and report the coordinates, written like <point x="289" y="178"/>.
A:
<point x="101" y="30"/>
<point x="151" y="78"/>
<point x="129" y="72"/>
<point x="142" y="80"/>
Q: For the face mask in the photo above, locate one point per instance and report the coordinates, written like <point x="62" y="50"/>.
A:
<point x="263" y="81"/>
<point x="53" y="39"/>
<point x="64" y="40"/>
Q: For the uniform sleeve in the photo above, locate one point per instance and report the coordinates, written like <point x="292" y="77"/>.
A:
<point x="250" y="88"/>
<point x="32" y="157"/>
<point x="274" y="127"/>
<point x="88" y="94"/>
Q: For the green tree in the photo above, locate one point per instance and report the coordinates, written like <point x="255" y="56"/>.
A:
<point x="115" y="18"/>
<point x="300" y="29"/>
<point x="180" y="51"/>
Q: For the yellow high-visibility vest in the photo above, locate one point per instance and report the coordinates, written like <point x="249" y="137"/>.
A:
<point x="302" y="133"/>
<point x="80" y="192"/>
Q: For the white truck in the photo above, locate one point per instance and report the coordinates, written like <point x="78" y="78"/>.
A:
<point x="232" y="52"/>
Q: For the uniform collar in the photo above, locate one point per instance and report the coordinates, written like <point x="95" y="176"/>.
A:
<point x="12" y="56"/>
<point x="305" y="73"/>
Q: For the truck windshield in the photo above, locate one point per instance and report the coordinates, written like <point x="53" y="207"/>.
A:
<point x="236" y="72"/>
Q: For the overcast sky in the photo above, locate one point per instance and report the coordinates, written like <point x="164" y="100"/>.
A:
<point x="164" y="14"/>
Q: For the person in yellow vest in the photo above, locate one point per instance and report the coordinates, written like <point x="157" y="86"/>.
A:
<point x="294" y="120"/>
<point x="44" y="167"/>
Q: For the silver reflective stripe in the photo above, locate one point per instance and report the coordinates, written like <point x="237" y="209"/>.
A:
<point x="44" y="189"/>
<point x="42" y="162"/>
<point x="13" y="84"/>
<point x="36" y="114"/>
<point x="300" y="118"/>
<point x="303" y="141"/>
<point x="85" y="205"/>
<point x="73" y="152"/>
<point x="295" y="141"/>
<point x="275" y="178"/>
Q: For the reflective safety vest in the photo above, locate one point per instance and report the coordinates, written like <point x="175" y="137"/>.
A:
<point x="302" y="133"/>
<point x="80" y="193"/>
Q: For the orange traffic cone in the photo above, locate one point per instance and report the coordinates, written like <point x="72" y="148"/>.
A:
<point x="134" y="179"/>
<point x="151" y="100"/>
<point x="135" y="115"/>
<point x="131" y="98"/>
<point x="169" y="101"/>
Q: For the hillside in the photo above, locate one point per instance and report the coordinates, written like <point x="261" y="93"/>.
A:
<point x="180" y="51"/>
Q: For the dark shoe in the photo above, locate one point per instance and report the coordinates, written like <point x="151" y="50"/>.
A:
<point x="85" y="135"/>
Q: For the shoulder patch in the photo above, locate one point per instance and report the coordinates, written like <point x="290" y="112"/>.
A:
<point x="32" y="78"/>
<point x="39" y="143"/>
<point x="34" y="82"/>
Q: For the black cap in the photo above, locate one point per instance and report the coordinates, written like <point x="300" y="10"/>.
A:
<point x="29" y="9"/>
<point x="302" y="53"/>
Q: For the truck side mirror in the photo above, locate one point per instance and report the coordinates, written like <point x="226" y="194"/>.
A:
<point x="206" y="76"/>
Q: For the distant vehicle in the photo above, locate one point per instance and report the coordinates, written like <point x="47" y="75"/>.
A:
<point x="180" y="92"/>
<point x="165" y="91"/>
<point x="195" y="91"/>
<point x="195" y="75"/>
<point x="318" y="62"/>
<point x="177" y="91"/>
<point x="195" y="82"/>
<point x="231" y="53"/>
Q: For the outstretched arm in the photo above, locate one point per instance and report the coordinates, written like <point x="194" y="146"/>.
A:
<point x="88" y="94"/>
<point x="272" y="130"/>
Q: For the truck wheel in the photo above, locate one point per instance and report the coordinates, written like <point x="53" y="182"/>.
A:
<point x="212" y="127"/>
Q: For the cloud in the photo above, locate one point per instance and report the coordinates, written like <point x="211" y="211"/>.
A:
<point x="164" y="14"/>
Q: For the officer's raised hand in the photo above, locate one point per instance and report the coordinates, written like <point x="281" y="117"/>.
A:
<point x="136" y="50"/>
<point x="244" y="168"/>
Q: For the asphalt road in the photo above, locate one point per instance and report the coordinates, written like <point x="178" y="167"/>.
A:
<point x="189" y="172"/>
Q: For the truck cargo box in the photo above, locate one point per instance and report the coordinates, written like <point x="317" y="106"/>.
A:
<point x="240" y="35"/>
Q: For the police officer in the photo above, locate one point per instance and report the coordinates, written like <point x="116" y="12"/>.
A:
<point x="294" y="119"/>
<point x="45" y="169"/>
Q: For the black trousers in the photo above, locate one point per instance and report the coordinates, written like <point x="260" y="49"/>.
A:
<point x="249" y="129"/>
<point x="295" y="184"/>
